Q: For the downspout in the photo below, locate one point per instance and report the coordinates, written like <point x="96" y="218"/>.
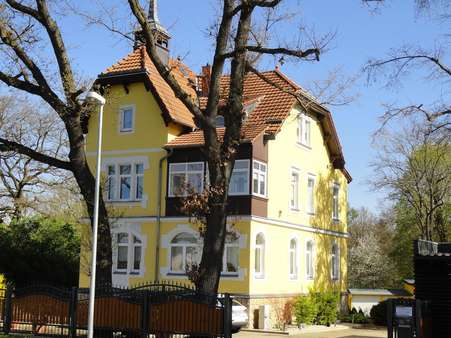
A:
<point x="160" y="184"/>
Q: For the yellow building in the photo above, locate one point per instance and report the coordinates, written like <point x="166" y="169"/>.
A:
<point x="288" y="193"/>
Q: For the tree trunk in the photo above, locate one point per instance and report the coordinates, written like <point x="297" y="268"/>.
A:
<point x="86" y="183"/>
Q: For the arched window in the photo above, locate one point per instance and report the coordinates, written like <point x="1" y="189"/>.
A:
<point x="184" y="252"/>
<point x="335" y="262"/>
<point x="309" y="260"/>
<point x="259" y="256"/>
<point x="128" y="252"/>
<point x="293" y="259"/>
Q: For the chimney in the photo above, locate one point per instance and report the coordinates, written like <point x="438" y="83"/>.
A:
<point x="205" y="78"/>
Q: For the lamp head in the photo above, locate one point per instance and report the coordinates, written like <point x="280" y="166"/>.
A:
<point x="95" y="98"/>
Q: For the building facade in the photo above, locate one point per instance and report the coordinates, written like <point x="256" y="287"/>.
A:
<point x="288" y="192"/>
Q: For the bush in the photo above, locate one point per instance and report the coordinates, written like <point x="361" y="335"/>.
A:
<point x="378" y="313"/>
<point x="355" y="317"/>
<point x="305" y="310"/>
<point x="327" y="307"/>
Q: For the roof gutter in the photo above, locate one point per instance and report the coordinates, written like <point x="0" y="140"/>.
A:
<point x="160" y="184"/>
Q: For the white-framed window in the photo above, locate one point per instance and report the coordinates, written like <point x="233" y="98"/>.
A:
<point x="335" y="262"/>
<point x="231" y="258"/>
<point x="125" y="182"/>
<point x="239" y="182"/>
<point x="293" y="258"/>
<point x="259" y="179"/>
<point x="311" y="195"/>
<point x="126" y="119"/>
<point x="335" y="201"/>
<point x="185" y="178"/>
<point x="294" y="189"/>
<point x="185" y="251"/>
<point x="309" y="259"/>
<point x="304" y="130"/>
<point x="259" y="263"/>
<point x="129" y="253"/>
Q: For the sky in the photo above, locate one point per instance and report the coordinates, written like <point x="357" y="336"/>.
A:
<point x="360" y="34"/>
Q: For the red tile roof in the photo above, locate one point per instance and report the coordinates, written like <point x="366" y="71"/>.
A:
<point x="273" y="102"/>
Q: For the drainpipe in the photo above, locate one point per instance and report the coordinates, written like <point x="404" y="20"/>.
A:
<point x="160" y="184"/>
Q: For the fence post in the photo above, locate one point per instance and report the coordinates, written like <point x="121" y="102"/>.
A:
<point x="390" y="318"/>
<point x="8" y="309"/>
<point x="227" y="316"/>
<point x="73" y="312"/>
<point x="145" y="315"/>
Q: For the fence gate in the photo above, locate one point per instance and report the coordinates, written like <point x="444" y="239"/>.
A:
<point x="158" y="310"/>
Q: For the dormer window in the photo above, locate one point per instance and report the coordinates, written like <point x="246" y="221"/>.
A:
<point x="126" y="119"/>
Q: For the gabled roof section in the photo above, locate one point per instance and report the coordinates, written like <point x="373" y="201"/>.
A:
<point x="139" y="65"/>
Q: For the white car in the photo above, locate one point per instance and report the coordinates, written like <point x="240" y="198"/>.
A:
<point x="240" y="317"/>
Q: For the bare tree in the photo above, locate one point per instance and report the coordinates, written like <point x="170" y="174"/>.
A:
<point x="407" y="59"/>
<point x="235" y="45"/>
<point x="24" y="182"/>
<point x="415" y="167"/>
<point x="27" y="28"/>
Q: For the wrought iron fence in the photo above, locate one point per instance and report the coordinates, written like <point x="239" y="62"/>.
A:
<point x="159" y="309"/>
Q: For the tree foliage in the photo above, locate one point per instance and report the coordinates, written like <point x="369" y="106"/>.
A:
<point x="40" y="250"/>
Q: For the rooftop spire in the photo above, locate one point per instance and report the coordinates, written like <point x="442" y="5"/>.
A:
<point x="153" y="11"/>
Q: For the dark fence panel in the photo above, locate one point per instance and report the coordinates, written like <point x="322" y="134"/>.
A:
<point x="159" y="310"/>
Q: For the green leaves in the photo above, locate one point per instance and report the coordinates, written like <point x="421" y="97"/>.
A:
<point x="40" y="250"/>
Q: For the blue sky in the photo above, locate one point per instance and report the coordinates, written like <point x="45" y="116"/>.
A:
<point x="360" y="35"/>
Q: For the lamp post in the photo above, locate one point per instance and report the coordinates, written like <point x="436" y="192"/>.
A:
<point x="98" y="100"/>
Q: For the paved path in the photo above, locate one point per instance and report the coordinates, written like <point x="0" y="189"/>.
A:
<point x="347" y="333"/>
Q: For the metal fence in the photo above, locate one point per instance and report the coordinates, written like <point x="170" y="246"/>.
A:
<point x="408" y="318"/>
<point x="159" y="309"/>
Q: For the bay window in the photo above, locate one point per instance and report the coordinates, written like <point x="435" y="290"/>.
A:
<point x="259" y="179"/>
<point x="239" y="182"/>
<point x="185" y="178"/>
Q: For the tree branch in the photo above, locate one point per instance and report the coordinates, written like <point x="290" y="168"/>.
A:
<point x="6" y="145"/>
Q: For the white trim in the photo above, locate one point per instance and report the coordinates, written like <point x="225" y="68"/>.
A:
<point x="260" y="172"/>
<point x="295" y="276"/>
<point x="131" y="107"/>
<point x="313" y="258"/>
<point x="235" y="218"/>
<point x="296" y="208"/>
<point x="127" y="151"/>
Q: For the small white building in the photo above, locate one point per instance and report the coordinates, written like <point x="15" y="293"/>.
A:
<point x="365" y="299"/>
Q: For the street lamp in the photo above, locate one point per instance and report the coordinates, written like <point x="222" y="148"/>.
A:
<point x="99" y="100"/>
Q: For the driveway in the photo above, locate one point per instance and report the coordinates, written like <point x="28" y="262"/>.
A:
<point x="346" y="333"/>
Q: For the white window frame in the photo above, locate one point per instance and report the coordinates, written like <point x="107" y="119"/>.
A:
<point x="294" y="205"/>
<point x="186" y="172"/>
<point x="246" y="170"/>
<point x="116" y="179"/>
<point x="123" y="130"/>
<point x="335" y="262"/>
<point x="262" y="176"/>
<point x="228" y="245"/>
<point x="310" y="261"/>
<point x="293" y="252"/>
<point x="184" y="247"/>
<point x="304" y="130"/>
<point x="262" y="248"/>
<point x="311" y="194"/>
<point x="336" y="202"/>
<point x="130" y="245"/>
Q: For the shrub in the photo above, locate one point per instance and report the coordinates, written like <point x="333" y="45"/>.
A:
<point x="378" y="313"/>
<point x="305" y="310"/>
<point x="327" y="307"/>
